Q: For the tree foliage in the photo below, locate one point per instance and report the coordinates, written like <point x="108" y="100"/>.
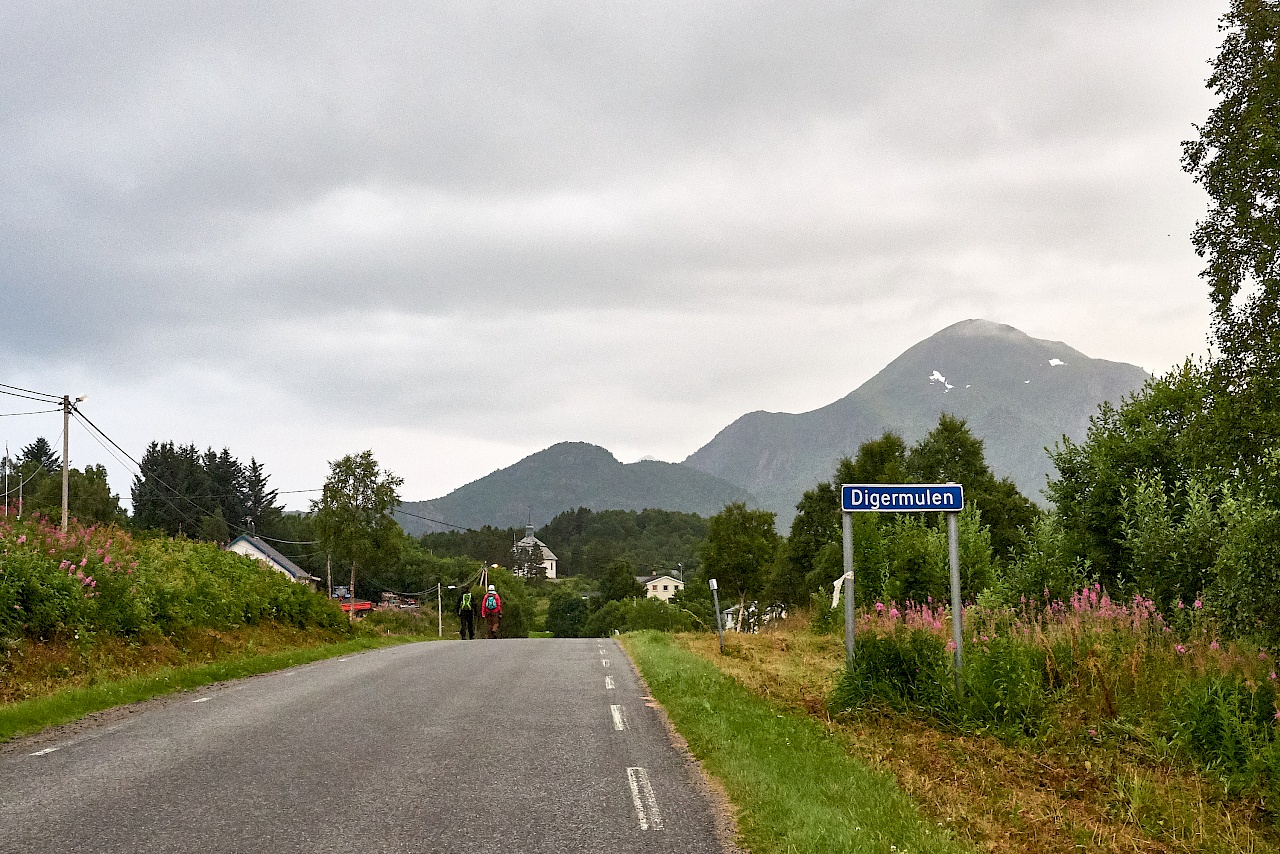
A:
<point x="209" y="495"/>
<point x="1236" y="159"/>
<point x="741" y="547"/>
<point x="89" y="497"/>
<point x="353" y="514"/>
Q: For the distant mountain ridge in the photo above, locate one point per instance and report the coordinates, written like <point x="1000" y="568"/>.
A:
<point x="1019" y="394"/>
<point x="566" y="476"/>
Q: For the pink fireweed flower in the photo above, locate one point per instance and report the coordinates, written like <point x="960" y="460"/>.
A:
<point x="1213" y="645"/>
<point x="894" y="612"/>
<point x="951" y="645"/>
<point x="1262" y="656"/>
<point x="106" y="560"/>
<point x="1272" y="677"/>
<point x="22" y="539"/>
<point x="1180" y="605"/>
<point x="879" y="606"/>
<point x="1093" y="732"/>
<point x="1181" y="650"/>
<point x="84" y="561"/>
<point x="1197" y="604"/>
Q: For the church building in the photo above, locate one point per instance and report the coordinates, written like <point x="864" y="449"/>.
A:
<point x="531" y="542"/>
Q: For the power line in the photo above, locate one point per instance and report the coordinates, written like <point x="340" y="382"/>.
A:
<point x="33" y="412"/>
<point x="437" y="521"/>
<point x="52" y="397"/>
<point x="26" y="396"/>
<point x="80" y="416"/>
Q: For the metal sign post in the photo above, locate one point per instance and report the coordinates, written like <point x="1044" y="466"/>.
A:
<point x="847" y="523"/>
<point x="905" y="498"/>
<point x="957" y="627"/>
<point x="715" y="599"/>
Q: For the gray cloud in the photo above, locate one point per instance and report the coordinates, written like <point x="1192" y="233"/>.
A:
<point x="390" y="216"/>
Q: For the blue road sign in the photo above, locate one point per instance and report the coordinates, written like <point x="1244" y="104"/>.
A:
<point x="902" y="498"/>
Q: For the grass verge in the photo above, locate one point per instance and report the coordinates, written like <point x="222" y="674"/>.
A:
<point x="795" y="786"/>
<point x="29" y="716"/>
<point x="1043" y="796"/>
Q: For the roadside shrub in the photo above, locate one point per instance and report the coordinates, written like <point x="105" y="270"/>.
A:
<point x="1246" y="573"/>
<point x="566" y="614"/>
<point x="396" y="622"/>
<point x="631" y="615"/>
<point x="1227" y="725"/>
<point x="826" y="620"/>
<point x="100" y="580"/>
<point x="904" y="671"/>
<point x="1006" y="686"/>
<point x="1044" y="569"/>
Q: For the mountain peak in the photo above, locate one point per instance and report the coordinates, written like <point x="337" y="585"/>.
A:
<point x="1017" y="393"/>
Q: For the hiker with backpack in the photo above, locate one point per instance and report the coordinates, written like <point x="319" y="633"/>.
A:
<point x="466" y="617"/>
<point x="491" y="610"/>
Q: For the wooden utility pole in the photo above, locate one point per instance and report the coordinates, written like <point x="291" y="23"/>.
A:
<point x="352" y="613"/>
<point x="66" y="452"/>
<point x="328" y="574"/>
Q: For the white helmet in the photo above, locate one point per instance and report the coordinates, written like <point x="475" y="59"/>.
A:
<point x="492" y="589"/>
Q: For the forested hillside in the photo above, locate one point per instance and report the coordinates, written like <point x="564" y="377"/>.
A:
<point x="566" y="476"/>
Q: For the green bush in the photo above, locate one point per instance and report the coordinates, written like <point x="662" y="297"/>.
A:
<point x="566" y="614"/>
<point x="99" y="580"/>
<point x="1004" y="688"/>
<point x="631" y="615"/>
<point x="905" y="671"/>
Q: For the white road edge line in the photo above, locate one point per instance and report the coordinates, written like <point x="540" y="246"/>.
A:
<point x="642" y="796"/>
<point x="619" y="722"/>
<point x="608" y="683"/>
<point x="202" y="700"/>
<point x="44" y="752"/>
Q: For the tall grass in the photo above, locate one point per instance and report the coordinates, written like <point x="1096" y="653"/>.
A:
<point x="1087" y="668"/>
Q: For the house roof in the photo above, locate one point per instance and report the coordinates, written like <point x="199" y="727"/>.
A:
<point x="647" y="579"/>
<point x="270" y="553"/>
<point x="530" y="541"/>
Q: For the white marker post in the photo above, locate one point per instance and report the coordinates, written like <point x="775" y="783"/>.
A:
<point x="905" y="498"/>
<point x="715" y="600"/>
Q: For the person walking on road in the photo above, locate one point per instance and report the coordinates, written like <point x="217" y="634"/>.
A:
<point x="491" y="610"/>
<point x="466" y="617"/>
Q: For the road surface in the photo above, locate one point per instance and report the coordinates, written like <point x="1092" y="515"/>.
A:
<point x="482" y="746"/>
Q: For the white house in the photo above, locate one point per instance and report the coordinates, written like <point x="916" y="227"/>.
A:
<point x="263" y="552"/>
<point x="660" y="586"/>
<point x="549" y="558"/>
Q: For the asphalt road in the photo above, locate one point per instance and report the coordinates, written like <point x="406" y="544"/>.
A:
<point x="483" y="746"/>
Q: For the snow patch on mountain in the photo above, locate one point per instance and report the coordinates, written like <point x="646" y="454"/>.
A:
<point x="937" y="377"/>
<point x="1055" y="362"/>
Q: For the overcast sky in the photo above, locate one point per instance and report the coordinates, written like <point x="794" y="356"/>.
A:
<point x="456" y="233"/>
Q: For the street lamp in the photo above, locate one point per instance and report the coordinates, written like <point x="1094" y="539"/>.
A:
<point x="440" y="609"/>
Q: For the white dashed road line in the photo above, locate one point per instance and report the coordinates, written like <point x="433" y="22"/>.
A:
<point x="642" y="796"/>
<point x="44" y="752"/>
<point x="608" y="683"/>
<point x="605" y="662"/>
<point x="619" y="722"/>
<point x="202" y="700"/>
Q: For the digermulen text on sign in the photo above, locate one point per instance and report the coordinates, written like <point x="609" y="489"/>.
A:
<point x="902" y="497"/>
